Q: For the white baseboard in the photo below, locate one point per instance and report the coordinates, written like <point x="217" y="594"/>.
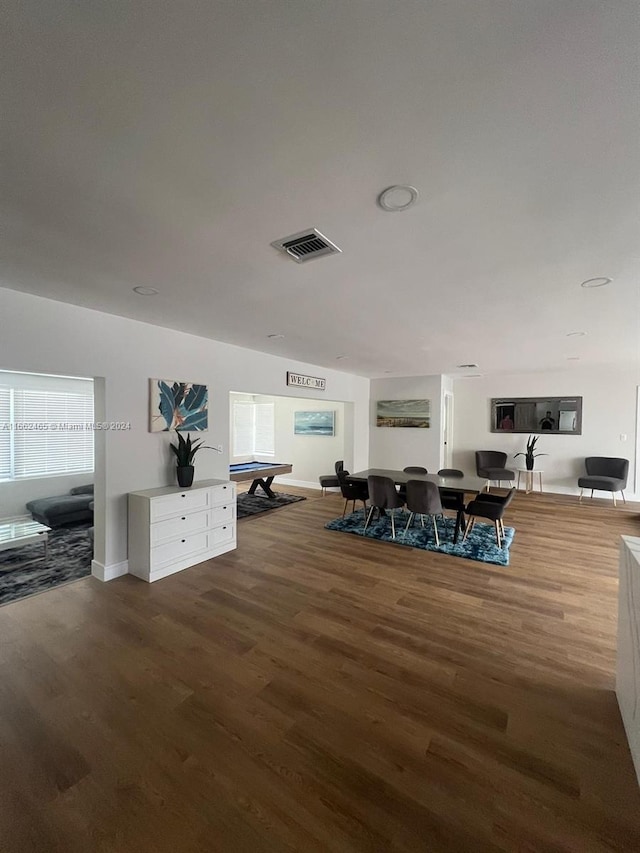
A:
<point x="108" y="573"/>
<point x="300" y="483"/>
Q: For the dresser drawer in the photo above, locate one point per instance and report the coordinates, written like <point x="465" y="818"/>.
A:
<point x="179" y="526"/>
<point x="223" y="494"/>
<point x="220" y="535"/>
<point x="180" y="504"/>
<point x="221" y="514"/>
<point x="177" y="550"/>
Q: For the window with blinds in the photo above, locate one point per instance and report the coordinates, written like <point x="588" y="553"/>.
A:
<point x="253" y="428"/>
<point x="6" y="466"/>
<point x="49" y="433"/>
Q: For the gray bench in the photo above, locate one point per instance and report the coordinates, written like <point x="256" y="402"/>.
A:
<point x="64" y="509"/>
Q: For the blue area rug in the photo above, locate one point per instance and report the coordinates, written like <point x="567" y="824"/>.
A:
<point x="481" y="544"/>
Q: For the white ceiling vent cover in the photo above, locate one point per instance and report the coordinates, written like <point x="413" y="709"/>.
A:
<point x="306" y="245"/>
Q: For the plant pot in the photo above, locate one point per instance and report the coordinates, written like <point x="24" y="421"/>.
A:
<point x="528" y="461"/>
<point x="185" y="476"/>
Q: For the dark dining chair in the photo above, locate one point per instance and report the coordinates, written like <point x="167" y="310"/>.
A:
<point x="382" y="496"/>
<point x="453" y="500"/>
<point x="491" y="507"/>
<point x="491" y="465"/>
<point x="330" y="481"/>
<point x="351" y="491"/>
<point x="423" y="498"/>
<point x="605" y="474"/>
<point x="410" y="469"/>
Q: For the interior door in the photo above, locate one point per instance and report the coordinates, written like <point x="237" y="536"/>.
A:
<point x="447" y="430"/>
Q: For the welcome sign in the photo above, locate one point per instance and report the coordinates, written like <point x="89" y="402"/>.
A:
<point x="306" y="381"/>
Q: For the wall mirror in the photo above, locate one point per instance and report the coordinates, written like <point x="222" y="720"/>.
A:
<point x="561" y="415"/>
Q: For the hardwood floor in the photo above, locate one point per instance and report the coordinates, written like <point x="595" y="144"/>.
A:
<point x="314" y="691"/>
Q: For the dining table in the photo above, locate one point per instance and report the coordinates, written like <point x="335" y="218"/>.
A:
<point x="465" y="485"/>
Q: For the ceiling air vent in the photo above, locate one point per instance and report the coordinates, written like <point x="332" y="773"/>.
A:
<point x="306" y="245"/>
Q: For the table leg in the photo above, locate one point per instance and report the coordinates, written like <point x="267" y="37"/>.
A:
<point x="540" y="480"/>
<point x="518" y="483"/>
<point x="459" y="525"/>
<point x="265" y="485"/>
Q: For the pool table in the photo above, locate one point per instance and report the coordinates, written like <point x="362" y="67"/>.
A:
<point x="262" y="474"/>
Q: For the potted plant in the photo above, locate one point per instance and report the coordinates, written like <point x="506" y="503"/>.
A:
<point x="184" y="451"/>
<point x="530" y="457"/>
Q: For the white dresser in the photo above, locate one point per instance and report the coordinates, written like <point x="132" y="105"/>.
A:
<point x="171" y="529"/>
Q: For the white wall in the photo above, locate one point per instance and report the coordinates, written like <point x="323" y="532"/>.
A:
<point x="309" y="456"/>
<point x="608" y="410"/>
<point x="395" y="447"/>
<point x="14" y="494"/>
<point x="41" y="336"/>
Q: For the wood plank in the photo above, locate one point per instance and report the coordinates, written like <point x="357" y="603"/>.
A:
<point x="316" y="691"/>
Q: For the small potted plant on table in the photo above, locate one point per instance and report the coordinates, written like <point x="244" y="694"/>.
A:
<point x="529" y="456"/>
<point x="184" y="451"/>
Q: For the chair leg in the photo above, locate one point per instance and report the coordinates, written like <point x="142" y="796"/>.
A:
<point x="344" y="508"/>
<point x="488" y="486"/>
<point x="581" y="491"/>
<point x="591" y="494"/>
<point x="371" y="509"/>
<point x="409" y="520"/>
<point x="624" y="500"/>
<point x="502" y="527"/>
<point x="422" y="519"/>
<point x="435" y="530"/>
<point x="471" y="520"/>
<point x="613" y="495"/>
<point x="498" y="535"/>
<point x="393" y="524"/>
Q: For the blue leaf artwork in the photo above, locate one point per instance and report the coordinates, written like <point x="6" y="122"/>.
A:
<point x="178" y="406"/>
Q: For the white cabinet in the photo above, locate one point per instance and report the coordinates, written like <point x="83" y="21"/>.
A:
<point x="171" y="529"/>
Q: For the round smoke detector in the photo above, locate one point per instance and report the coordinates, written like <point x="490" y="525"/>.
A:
<point x="397" y="198"/>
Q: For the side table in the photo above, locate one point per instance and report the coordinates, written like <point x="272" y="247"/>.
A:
<point x="529" y="479"/>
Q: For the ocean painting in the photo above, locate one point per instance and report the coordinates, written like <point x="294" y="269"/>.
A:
<point x="314" y="423"/>
<point x="404" y="413"/>
<point x="178" y="405"/>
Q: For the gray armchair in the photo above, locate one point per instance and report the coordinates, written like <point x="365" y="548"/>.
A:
<point x="491" y="465"/>
<point x="605" y="474"/>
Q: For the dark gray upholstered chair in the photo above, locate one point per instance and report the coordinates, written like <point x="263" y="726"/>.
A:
<point x="451" y="500"/>
<point x="490" y="464"/>
<point x="605" y="474"/>
<point x="351" y="491"/>
<point x="382" y="496"/>
<point x="410" y="469"/>
<point x="423" y="498"/>
<point x="330" y="481"/>
<point x="491" y="507"/>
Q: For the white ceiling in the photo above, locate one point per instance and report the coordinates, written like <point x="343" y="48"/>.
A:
<point x="166" y="144"/>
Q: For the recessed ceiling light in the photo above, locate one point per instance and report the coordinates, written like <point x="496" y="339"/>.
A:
<point x="576" y="334"/>
<point x="467" y="366"/>
<point x="398" y="197"/>
<point x="274" y="337"/>
<point x="341" y="357"/>
<point x="596" y="282"/>
<point x="145" y="291"/>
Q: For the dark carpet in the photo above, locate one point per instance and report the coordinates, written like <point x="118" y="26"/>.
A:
<point x="24" y="572"/>
<point x="481" y="544"/>
<point x="254" y="504"/>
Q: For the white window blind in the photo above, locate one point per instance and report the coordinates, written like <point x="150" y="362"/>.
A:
<point x="253" y="428"/>
<point x="50" y="434"/>
<point x="264" y="429"/>
<point x="242" y="428"/>
<point x="5" y="434"/>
